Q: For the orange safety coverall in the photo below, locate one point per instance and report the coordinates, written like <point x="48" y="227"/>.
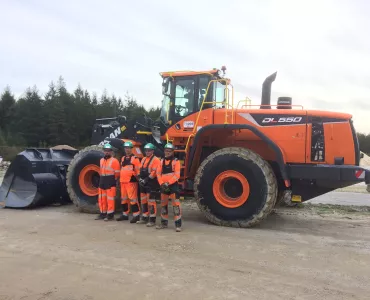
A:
<point x="109" y="172"/>
<point x="169" y="171"/>
<point x="148" y="169"/>
<point x="130" y="167"/>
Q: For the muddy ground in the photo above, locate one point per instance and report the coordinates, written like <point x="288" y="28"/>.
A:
<point x="310" y="252"/>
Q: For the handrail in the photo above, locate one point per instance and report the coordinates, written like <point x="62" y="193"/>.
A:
<point x="259" y="105"/>
<point x="244" y="100"/>
<point x="227" y="82"/>
<point x="187" y="143"/>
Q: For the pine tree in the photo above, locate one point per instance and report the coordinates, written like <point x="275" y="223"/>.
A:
<point x="28" y="124"/>
<point x="7" y="103"/>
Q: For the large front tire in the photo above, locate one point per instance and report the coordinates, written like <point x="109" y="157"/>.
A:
<point x="235" y="187"/>
<point x="83" y="179"/>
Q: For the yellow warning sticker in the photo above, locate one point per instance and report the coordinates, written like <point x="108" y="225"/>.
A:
<point x="296" y="198"/>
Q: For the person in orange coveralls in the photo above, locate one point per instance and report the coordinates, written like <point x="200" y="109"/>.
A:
<point x="148" y="182"/>
<point x="109" y="173"/>
<point x="168" y="176"/>
<point x="130" y="167"/>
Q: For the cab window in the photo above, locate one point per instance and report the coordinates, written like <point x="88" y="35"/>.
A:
<point x="184" y="97"/>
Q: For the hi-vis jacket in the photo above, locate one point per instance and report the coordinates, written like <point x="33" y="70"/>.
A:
<point x="130" y="168"/>
<point x="149" y="167"/>
<point x="169" y="171"/>
<point x="109" y="172"/>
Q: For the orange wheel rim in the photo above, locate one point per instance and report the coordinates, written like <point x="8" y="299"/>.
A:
<point x="85" y="180"/>
<point x="231" y="189"/>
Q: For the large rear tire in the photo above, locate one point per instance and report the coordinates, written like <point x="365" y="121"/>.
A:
<point x="235" y="187"/>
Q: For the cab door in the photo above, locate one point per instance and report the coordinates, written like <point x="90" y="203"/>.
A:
<point x="184" y="101"/>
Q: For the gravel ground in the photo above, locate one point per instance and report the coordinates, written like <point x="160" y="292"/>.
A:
<point x="310" y="252"/>
<point x="314" y="252"/>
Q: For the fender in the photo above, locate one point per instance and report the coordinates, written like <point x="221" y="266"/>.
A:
<point x="256" y="131"/>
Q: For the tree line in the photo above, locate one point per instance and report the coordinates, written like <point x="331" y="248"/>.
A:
<point x="63" y="117"/>
<point x="60" y="116"/>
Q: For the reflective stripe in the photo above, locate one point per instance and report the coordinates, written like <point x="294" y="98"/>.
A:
<point x="110" y="198"/>
<point x="143" y="197"/>
<point x="123" y="198"/>
<point x="104" y="194"/>
<point x="110" y="211"/>
<point x="106" y="169"/>
<point x="135" y="214"/>
<point x="177" y="218"/>
<point x="134" y="201"/>
<point x="151" y="200"/>
<point x="117" y="171"/>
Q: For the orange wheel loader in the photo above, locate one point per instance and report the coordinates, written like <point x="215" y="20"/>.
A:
<point x="238" y="160"/>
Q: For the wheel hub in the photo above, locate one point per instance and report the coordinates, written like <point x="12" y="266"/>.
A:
<point x="231" y="189"/>
<point x="89" y="180"/>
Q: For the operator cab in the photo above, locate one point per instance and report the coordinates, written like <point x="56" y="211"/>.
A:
<point x="184" y="93"/>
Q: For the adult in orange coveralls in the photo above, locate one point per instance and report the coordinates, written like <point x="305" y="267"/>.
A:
<point x="168" y="176"/>
<point x="130" y="167"/>
<point x="109" y="173"/>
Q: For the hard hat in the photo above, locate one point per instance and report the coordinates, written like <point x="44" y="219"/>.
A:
<point x="128" y="144"/>
<point x="149" y="146"/>
<point x="169" y="146"/>
<point x="107" y="146"/>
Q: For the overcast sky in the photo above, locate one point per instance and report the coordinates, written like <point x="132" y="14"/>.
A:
<point x="320" y="49"/>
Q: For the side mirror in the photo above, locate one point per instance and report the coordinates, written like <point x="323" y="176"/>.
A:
<point x="165" y="85"/>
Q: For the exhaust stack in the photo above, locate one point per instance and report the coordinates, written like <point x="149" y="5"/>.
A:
<point x="266" y="92"/>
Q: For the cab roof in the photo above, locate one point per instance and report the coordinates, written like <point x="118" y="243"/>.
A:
<point x="188" y="73"/>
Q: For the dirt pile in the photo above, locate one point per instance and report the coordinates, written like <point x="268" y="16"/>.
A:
<point x="61" y="147"/>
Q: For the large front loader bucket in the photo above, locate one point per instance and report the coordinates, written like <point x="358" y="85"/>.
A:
<point x="36" y="177"/>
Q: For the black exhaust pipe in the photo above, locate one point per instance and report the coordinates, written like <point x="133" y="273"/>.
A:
<point x="266" y="92"/>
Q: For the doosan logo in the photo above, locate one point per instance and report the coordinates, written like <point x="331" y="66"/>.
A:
<point x="282" y="120"/>
<point x="113" y="135"/>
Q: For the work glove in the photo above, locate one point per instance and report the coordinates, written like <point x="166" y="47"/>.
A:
<point x="165" y="188"/>
<point x="144" y="181"/>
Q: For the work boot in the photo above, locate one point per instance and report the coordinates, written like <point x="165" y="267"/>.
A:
<point x="143" y="220"/>
<point x="122" y="218"/>
<point x="150" y="224"/>
<point x="135" y="219"/>
<point x="101" y="216"/>
<point x="109" y="217"/>
<point x="161" y="226"/>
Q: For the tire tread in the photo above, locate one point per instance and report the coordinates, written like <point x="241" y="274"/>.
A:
<point x="270" y="178"/>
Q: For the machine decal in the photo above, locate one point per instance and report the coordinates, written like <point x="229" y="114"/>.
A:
<point x="188" y="124"/>
<point x="113" y="135"/>
<point x="274" y="119"/>
<point x="285" y="119"/>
